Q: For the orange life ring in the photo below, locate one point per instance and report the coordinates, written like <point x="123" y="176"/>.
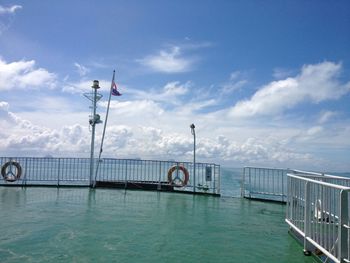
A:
<point x="11" y="175"/>
<point x="178" y="181"/>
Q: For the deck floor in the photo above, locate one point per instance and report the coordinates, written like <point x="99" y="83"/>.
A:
<point x="112" y="225"/>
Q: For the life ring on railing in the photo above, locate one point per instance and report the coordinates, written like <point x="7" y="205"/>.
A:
<point x="177" y="180"/>
<point x="9" y="173"/>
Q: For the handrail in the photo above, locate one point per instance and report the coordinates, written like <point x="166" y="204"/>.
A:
<point x="268" y="168"/>
<point x="340" y="187"/>
<point x="320" y="174"/>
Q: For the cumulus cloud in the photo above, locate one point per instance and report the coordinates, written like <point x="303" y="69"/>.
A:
<point x="9" y="10"/>
<point x="24" y="75"/>
<point x="315" y="83"/>
<point x="155" y="124"/>
<point x="124" y="141"/>
<point x="168" y="61"/>
<point x="5" y="115"/>
<point x="24" y="137"/>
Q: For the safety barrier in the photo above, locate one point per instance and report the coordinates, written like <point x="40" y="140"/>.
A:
<point x="318" y="211"/>
<point x="26" y="171"/>
<point x="264" y="183"/>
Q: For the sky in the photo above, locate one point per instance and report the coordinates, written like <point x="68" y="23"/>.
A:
<point x="266" y="83"/>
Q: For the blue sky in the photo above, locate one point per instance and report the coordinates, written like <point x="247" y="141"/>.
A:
<point x="266" y="82"/>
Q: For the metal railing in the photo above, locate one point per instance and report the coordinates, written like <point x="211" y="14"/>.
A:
<point x="318" y="210"/>
<point x="328" y="178"/>
<point x="264" y="183"/>
<point x="76" y="172"/>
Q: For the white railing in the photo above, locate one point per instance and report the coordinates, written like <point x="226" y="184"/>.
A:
<point x="318" y="210"/>
<point x="264" y="183"/>
<point x="29" y="171"/>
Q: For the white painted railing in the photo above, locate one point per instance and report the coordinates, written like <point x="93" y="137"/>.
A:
<point x="318" y="210"/>
<point x="264" y="183"/>
<point x="27" y="171"/>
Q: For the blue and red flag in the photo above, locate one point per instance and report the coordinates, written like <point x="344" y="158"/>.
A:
<point x="115" y="91"/>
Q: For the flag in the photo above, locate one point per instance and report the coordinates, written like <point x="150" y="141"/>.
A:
<point x="115" y="92"/>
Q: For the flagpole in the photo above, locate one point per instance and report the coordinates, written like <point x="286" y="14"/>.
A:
<point x="104" y="128"/>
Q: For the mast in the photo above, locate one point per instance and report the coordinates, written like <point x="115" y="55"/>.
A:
<point x="94" y="97"/>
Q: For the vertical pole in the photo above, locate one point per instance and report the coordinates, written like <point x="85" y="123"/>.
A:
<point x="93" y="137"/>
<point x="194" y="160"/>
<point x="343" y="230"/>
<point x="58" y="172"/>
<point x="160" y="178"/>
<point x="284" y="173"/>
<point x="250" y="181"/>
<point x="219" y="180"/>
<point x="194" y="155"/>
<point x="243" y="182"/>
<point x="307" y="219"/>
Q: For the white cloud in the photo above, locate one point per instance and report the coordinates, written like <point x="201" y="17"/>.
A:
<point x="143" y="108"/>
<point x="169" y="94"/>
<point x="9" y="10"/>
<point x="7" y="16"/>
<point x="5" y="115"/>
<point x="24" y="137"/>
<point x="315" y="83"/>
<point x="154" y="124"/>
<point x="236" y="82"/>
<point x="168" y="61"/>
<point x="24" y="75"/>
<point x="174" y="89"/>
<point x="314" y="130"/>
<point x="137" y="129"/>
<point x="81" y="69"/>
<point x="280" y="73"/>
<point x="326" y="116"/>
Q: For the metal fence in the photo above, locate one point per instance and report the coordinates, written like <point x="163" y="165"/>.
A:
<point x="318" y="210"/>
<point x="264" y="183"/>
<point x="76" y="172"/>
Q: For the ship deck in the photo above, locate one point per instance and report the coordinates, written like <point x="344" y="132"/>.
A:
<point x="105" y="225"/>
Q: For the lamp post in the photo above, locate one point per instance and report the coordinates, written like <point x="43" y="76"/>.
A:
<point x="194" y="155"/>
<point x="94" y="97"/>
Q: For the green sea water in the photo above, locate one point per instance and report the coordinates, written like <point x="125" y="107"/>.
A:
<point x="106" y="225"/>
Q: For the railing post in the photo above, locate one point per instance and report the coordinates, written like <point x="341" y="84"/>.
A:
<point x="25" y="172"/>
<point x="243" y="182"/>
<point x="289" y="198"/>
<point x="160" y="176"/>
<point x="307" y="215"/>
<point x="219" y="180"/>
<point x="250" y="182"/>
<point x="283" y="173"/>
<point x="343" y="230"/>
<point x="58" y="172"/>
<point x="126" y="173"/>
